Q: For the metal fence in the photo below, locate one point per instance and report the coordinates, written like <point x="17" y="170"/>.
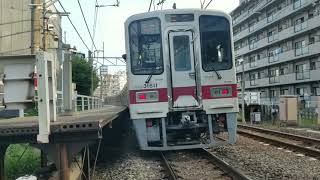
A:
<point x="80" y="103"/>
<point x="307" y="111"/>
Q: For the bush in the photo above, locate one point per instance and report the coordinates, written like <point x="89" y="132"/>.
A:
<point x="20" y="160"/>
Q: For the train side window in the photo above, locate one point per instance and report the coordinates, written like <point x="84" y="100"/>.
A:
<point x="146" y="47"/>
<point x="182" y="60"/>
<point x="216" y="52"/>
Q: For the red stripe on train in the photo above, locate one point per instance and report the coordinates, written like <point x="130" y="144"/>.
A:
<point x="180" y="91"/>
<point x="183" y="91"/>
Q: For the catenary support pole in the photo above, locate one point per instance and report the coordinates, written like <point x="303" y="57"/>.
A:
<point x="243" y="95"/>
<point x="67" y="83"/>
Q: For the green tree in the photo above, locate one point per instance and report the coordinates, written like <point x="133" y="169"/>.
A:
<point x="82" y="75"/>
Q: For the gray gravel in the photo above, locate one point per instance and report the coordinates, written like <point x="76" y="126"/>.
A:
<point x="263" y="161"/>
<point x="131" y="165"/>
<point x="293" y="130"/>
<point x="190" y="165"/>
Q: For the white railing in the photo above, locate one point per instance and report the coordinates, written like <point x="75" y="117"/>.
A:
<point x="80" y="103"/>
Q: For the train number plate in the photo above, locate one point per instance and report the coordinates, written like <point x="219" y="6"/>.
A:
<point x="150" y="85"/>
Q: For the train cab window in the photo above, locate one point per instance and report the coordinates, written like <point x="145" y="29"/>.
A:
<point x="181" y="47"/>
<point x="215" y="40"/>
<point x="146" y="47"/>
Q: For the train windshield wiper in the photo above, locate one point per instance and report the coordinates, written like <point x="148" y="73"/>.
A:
<point x="217" y="73"/>
<point x="151" y="74"/>
<point x="149" y="78"/>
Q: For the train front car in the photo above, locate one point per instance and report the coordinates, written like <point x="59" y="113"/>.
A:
<point x="181" y="79"/>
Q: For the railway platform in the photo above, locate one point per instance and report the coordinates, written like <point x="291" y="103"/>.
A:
<point x="69" y="135"/>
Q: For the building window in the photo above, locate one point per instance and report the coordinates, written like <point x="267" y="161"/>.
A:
<point x="253" y="78"/>
<point x="284" y="91"/>
<point x="300" y="91"/>
<point x="272" y="36"/>
<point x="301" y="48"/>
<point x="273" y="93"/>
<point x="299" y="24"/>
<point x="239" y="79"/>
<point x="251" y="27"/>
<point x="270" y="17"/>
<point x="252" y="61"/>
<point x="281" y="71"/>
<point x="258" y="56"/>
<point x="313" y="65"/>
<point x="274" y="76"/>
<point x="311" y="40"/>
<point x="274" y="55"/>
<point x="315" y="91"/>
<point x="302" y="72"/>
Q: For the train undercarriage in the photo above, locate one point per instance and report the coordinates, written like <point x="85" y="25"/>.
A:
<point x="186" y="130"/>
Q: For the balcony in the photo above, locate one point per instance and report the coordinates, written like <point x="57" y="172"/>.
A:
<point x="300" y="27"/>
<point x="306" y="76"/>
<point x="283" y="57"/>
<point x="284" y="34"/>
<point x="273" y="37"/>
<point x="273" y="58"/>
<point x="301" y="51"/>
<point x="299" y="3"/>
<point x="274" y="80"/>
<point x="253" y="64"/>
<point x="279" y="15"/>
<point x="303" y="75"/>
<point x="242" y="17"/>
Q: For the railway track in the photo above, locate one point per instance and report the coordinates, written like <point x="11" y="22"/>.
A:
<point x="200" y="164"/>
<point x="306" y="145"/>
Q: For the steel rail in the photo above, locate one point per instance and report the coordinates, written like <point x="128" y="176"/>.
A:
<point x="309" y="140"/>
<point x="169" y="169"/>
<point x="308" y="151"/>
<point x="224" y="166"/>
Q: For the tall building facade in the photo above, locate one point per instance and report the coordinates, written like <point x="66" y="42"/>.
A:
<point x="21" y="28"/>
<point x="277" y="46"/>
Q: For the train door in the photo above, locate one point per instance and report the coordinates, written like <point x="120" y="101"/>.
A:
<point x="183" y="76"/>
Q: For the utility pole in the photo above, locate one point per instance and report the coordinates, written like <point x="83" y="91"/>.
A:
<point x="101" y="79"/>
<point x="90" y="58"/>
<point x="36" y="27"/>
<point x="243" y="94"/>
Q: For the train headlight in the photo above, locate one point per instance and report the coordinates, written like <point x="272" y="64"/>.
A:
<point x="147" y="96"/>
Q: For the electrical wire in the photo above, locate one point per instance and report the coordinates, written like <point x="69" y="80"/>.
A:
<point x="74" y="26"/>
<point x="150" y="5"/>
<point x="208" y="4"/>
<point x="95" y="21"/>
<point x="85" y="21"/>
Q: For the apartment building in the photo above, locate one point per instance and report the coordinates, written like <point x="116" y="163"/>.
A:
<point x="278" y="42"/>
<point x="21" y="28"/>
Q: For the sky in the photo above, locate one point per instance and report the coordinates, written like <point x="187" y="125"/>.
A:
<point x="110" y="23"/>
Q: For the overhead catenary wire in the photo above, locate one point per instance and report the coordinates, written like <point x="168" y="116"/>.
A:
<point x="150" y="5"/>
<point x="95" y="21"/>
<point x="208" y="4"/>
<point x="85" y="21"/>
<point x="74" y="26"/>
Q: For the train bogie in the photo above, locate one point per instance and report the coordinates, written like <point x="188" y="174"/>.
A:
<point x="185" y="130"/>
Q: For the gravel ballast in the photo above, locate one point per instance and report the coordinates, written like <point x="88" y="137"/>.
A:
<point x="191" y="165"/>
<point x="131" y="165"/>
<point x="263" y="161"/>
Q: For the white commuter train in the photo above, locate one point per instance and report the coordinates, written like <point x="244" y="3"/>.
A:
<point x="181" y="78"/>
